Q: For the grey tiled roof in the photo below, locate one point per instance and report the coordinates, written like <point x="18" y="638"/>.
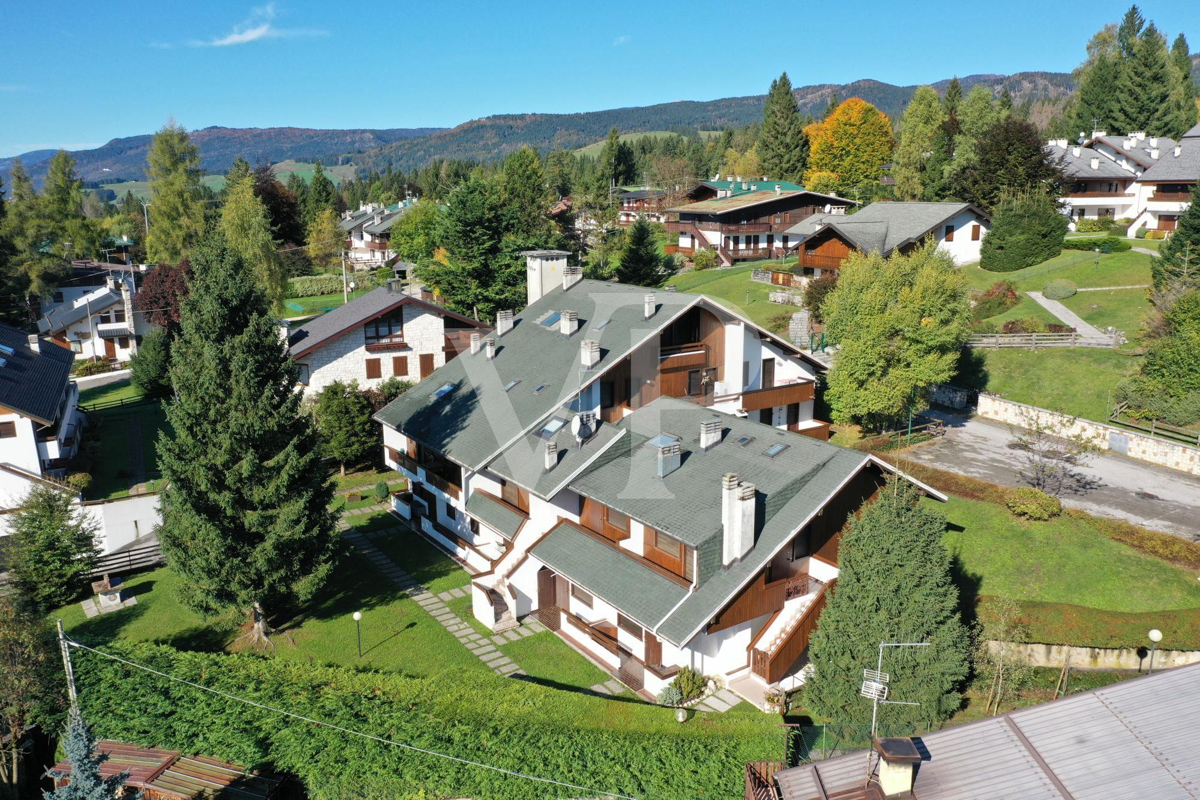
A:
<point x="1184" y="168"/>
<point x="495" y="514"/>
<point x="1131" y="739"/>
<point x="524" y="462"/>
<point x="1140" y="150"/>
<point x="387" y="220"/>
<point x="478" y="418"/>
<point x="332" y="324"/>
<point x="1080" y="167"/>
<point x="686" y="504"/>
<point x="884" y="226"/>
<point x="635" y="589"/>
<point x="33" y="384"/>
<point x="60" y="318"/>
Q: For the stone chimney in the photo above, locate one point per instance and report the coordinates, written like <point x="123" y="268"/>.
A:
<point x="550" y="455"/>
<point x="898" y="759"/>
<point x="490" y="346"/>
<point x="571" y="276"/>
<point x="35" y="344"/>
<point x="504" y="322"/>
<point x="669" y="459"/>
<point x="1098" y="134"/>
<point x="1127" y="142"/>
<point x="1139" y="135"/>
<point x="710" y="434"/>
<point x="1095" y="162"/>
<point x="568" y="323"/>
<point x="590" y="353"/>
<point x="475" y="342"/>
<point x="737" y="515"/>
<point x="649" y="304"/>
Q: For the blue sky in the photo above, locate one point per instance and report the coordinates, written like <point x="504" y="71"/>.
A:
<point x="77" y="74"/>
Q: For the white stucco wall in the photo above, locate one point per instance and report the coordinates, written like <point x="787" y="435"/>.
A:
<point x="962" y="249"/>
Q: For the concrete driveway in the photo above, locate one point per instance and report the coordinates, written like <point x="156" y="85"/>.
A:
<point x="1109" y="485"/>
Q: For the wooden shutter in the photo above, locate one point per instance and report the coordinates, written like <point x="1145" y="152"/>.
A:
<point x="949" y="233"/>
<point x="975" y="233"/>
<point x="399" y="365"/>
<point x="426" y="360"/>
<point x="373" y="368"/>
<point x="8" y="430"/>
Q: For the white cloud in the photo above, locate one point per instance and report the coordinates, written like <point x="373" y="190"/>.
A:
<point x="620" y="40"/>
<point x="259" y="25"/>
<point x="12" y="87"/>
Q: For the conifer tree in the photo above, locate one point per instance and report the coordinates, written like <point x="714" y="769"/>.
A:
<point x="176" y="210"/>
<point x="85" y="781"/>
<point x="641" y="264"/>
<point x="53" y="545"/>
<point x="63" y="195"/>
<point x="919" y="129"/>
<point x="30" y="680"/>
<point x="523" y="189"/>
<point x="1178" y="267"/>
<point x="343" y="418"/>
<point x="1183" y="89"/>
<point x="894" y="585"/>
<point x="1096" y="105"/>
<point x="939" y="168"/>
<point x="247" y="229"/>
<point x="245" y="513"/>
<point x="954" y="96"/>
<point x="321" y="193"/>
<point x="782" y="146"/>
<point x="1145" y="89"/>
<point x="1009" y="158"/>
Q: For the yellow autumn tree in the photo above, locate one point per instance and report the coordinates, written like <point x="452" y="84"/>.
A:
<point x="852" y="143"/>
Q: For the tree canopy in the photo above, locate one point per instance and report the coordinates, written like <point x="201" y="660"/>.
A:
<point x="782" y="145"/>
<point x="852" y="144"/>
<point x="247" y="230"/>
<point x="176" y="210"/>
<point x="641" y="264"/>
<point x="54" y="547"/>
<point x="919" y="129"/>
<point x="1178" y="266"/>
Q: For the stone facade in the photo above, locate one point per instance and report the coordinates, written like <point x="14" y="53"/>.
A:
<point x="1055" y="655"/>
<point x="345" y="358"/>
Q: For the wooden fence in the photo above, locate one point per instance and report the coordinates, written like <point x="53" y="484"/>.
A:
<point x="760" y="779"/>
<point x="129" y="560"/>
<point x="1035" y="341"/>
<point x="1155" y="428"/>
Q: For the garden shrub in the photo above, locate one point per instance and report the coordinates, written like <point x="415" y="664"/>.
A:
<point x="1027" y="229"/>
<point x="1059" y="289"/>
<point x="670" y="695"/>
<point x="690" y="683"/>
<point x="1119" y="230"/>
<point x="704" y="259"/>
<point x="463" y="713"/>
<point x="1156" y="234"/>
<point x="816" y="291"/>
<point x="1105" y="244"/>
<point x="311" y="285"/>
<point x="1140" y="233"/>
<point x="91" y="367"/>
<point x="79" y="481"/>
<point x="1023" y="325"/>
<point x="999" y="298"/>
<point x="1058" y="327"/>
<point x="1093" y="224"/>
<point x="382" y="491"/>
<point x="1033" y="504"/>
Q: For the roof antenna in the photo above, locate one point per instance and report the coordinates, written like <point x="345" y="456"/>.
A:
<point x="875" y="687"/>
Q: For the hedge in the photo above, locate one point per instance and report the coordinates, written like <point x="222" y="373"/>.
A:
<point x="1059" y="289"/>
<point x="520" y="726"/>
<point x="313" y="285"/>
<point x="1105" y="244"/>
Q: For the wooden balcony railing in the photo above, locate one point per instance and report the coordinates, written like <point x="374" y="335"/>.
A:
<point x="377" y="244"/>
<point x="440" y="483"/>
<point x="687" y="355"/>
<point x="760" y="779"/>
<point x="391" y="343"/>
<point x="772" y="667"/>
<point x="1170" y="197"/>
<point x="782" y="395"/>
<point x="820" y="262"/>
<point x="745" y="227"/>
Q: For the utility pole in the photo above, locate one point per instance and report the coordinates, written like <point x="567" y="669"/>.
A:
<point x="345" y="286"/>
<point x="65" y="648"/>
<point x="146" y="212"/>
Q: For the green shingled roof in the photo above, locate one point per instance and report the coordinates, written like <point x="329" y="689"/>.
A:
<point x="638" y="591"/>
<point x="524" y="462"/>
<point x="495" y="514"/>
<point x="722" y="205"/>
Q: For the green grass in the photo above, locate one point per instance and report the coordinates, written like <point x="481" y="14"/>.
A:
<point x="337" y="174"/>
<point x="462" y="607"/>
<point x="548" y="659"/>
<point x="1123" y="309"/>
<point x="423" y="561"/>
<point x="1074" y="381"/>
<point x="110" y="393"/>
<point x="593" y="150"/>
<point x="112" y="474"/>
<point x="734" y="289"/>
<point x="318" y="304"/>
<point x="141" y="189"/>
<point x="1149" y="244"/>
<point x="1084" y="269"/>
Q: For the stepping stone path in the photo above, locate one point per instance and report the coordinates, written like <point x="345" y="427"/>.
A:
<point x="720" y="702"/>
<point x="484" y="648"/>
<point x="610" y="688"/>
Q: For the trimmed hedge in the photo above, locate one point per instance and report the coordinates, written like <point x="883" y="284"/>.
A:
<point x="1033" y="504"/>
<point x="516" y="725"/>
<point x="1059" y="289"/>
<point x="313" y="285"/>
<point x="1105" y="244"/>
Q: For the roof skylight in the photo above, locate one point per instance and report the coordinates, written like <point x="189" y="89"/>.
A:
<point x="602" y="323"/>
<point x="552" y="427"/>
<point x="541" y="388"/>
<point x="6" y="350"/>
<point x="443" y="390"/>
<point x="742" y="441"/>
<point x="552" y="320"/>
<point x="662" y="440"/>
<point x="775" y="450"/>
<point x="508" y="386"/>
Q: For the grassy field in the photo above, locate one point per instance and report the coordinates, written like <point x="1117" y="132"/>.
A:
<point x="320" y="303"/>
<point x="110" y="393"/>
<point x="734" y="289"/>
<point x="1084" y="269"/>
<point x="1123" y="309"/>
<point x="141" y="189"/>
<point x="1075" y="381"/>
<point x="113" y="474"/>
<point x="593" y="150"/>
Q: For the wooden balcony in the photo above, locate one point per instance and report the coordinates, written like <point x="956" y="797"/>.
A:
<point x="820" y="262"/>
<point x="820" y="431"/>
<point x="383" y="345"/>
<point x="671" y="249"/>
<point x="773" y="667"/>
<point x="783" y="395"/>
<point x="411" y="465"/>
<point x="377" y="245"/>
<point x="1083" y="195"/>
<point x="683" y="356"/>
<point x="443" y="485"/>
<point x="1170" y="197"/>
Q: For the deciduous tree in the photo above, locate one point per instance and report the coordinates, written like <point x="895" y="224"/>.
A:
<point x="894" y="585"/>
<point x="282" y="206"/>
<point x="919" y="129"/>
<point x="54" y="546"/>
<point x="417" y="234"/>
<point x="853" y="143"/>
<point x="30" y="688"/>
<point x="325" y="241"/>
<point x="163" y="292"/>
<point x="247" y="229"/>
<point x="176" y="210"/>
<point x="782" y="146"/>
<point x="245" y="512"/>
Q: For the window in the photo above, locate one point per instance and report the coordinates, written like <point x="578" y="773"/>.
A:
<point x="583" y="597"/>
<point x="443" y="390"/>
<point x="949" y="233"/>
<point x="694" y="385"/>
<point x="385" y="329"/>
<point x="123" y="342"/>
<point x="514" y="495"/>
<point x="76" y="346"/>
<point x="775" y="450"/>
<point x="399" y="365"/>
<point x="615" y="519"/>
<point x="373" y="368"/>
<point x="8" y="430"/>
<point x="669" y="553"/>
<point x="119" y="315"/>
<point x="552" y="427"/>
<point x="606" y="394"/>
<point x="58" y="297"/>
<point x="975" y="230"/>
<point x="629" y="626"/>
<point x="303" y="377"/>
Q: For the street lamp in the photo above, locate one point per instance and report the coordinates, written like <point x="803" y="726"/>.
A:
<point x="358" y="630"/>
<point x="1155" y="637"/>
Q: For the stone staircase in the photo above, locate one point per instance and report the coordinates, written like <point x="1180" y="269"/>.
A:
<point x="505" y="618"/>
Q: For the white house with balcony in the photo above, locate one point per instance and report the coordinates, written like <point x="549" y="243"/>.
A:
<point x="91" y="312"/>
<point x="368" y="231"/>
<point x="643" y="472"/>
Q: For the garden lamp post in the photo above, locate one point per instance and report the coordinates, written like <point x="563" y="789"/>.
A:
<point x="1155" y="637"/>
<point x="358" y="630"/>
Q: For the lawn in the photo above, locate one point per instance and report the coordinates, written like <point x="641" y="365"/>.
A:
<point x="1075" y="381"/>
<point x="1123" y="309"/>
<point x="1084" y="269"/>
<point x="734" y="289"/>
<point x="113" y="474"/>
<point x="1066" y="567"/>
<point x="110" y="393"/>
<point x="423" y="561"/>
<point x="550" y="661"/>
<point x="320" y="303"/>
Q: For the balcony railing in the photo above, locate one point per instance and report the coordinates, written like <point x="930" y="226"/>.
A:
<point x="781" y="395"/>
<point x="376" y="245"/>
<point x="1083" y="195"/>
<point x="1170" y="197"/>
<point x="819" y="261"/>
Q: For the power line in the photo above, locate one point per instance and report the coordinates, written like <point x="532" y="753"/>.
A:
<point x="72" y="643"/>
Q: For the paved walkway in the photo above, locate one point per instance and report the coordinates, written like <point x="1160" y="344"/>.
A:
<point x="1109" y="485"/>
<point x="1114" y="288"/>
<point x="1069" y="317"/>
<point x="720" y="702"/>
<point x="1146" y="250"/>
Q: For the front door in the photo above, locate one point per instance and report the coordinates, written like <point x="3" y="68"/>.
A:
<point x="110" y="350"/>
<point x="426" y="365"/>
<point x="547" y="599"/>
<point x="779" y="416"/>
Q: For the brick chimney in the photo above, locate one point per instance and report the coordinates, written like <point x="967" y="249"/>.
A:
<point x="568" y="323"/>
<point x="737" y="514"/>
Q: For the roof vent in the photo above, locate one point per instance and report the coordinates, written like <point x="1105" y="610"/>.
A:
<point x="897" y="762"/>
<point x="475" y="341"/>
<point x="710" y="434"/>
<point x="1139" y="135"/>
<point x="550" y="455"/>
<point x="571" y="276"/>
<point x="1095" y="163"/>
<point x="669" y="459"/>
<point x="568" y="323"/>
<point x="490" y="346"/>
<point x="1178" y="149"/>
<point x="648" y="301"/>
<point x="35" y="344"/>
<point x="590" y="353"/>
<point x="1154" y="153"/>
<point x="504" y="322"/>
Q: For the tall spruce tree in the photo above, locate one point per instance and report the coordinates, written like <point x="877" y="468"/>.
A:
<point x="1096" y="104"/>
<point x="63" y="195"/>
<point x="247" y="228"/>
<point x="1183" y="89"/>
<point x="920" y="127"/>
<point x="321" y="194"/>
<point x="1145" y="88"/>
<point x="1178" y="267"/>
<point x="245" y="514"/>
<point x="641" y="264"/>
<point x="954" y="95"/>
<point x="894" y="585"/>
<point x="1009" y="158"/>
<point x="176" y="207"/>
<point x="85" y="781"/>
<point x="782" y="145"/>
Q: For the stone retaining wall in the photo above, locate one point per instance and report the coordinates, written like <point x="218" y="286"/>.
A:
<point x="1055" y="655"/>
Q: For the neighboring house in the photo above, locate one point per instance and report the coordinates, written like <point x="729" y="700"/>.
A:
<point x="749" y="225"/>
<point x="628" y="465"/>
<point x="1135" y="738"/>
<point x="825" y="240"/>
<point x="636" y="203"/>
<point x="40" y="423"/>
<point x="91" y="312"/>
<point x="382" y="334"/>
<point x="1144" y="180"/>
<point x="718" y="188"/>
<point x="368" y="231"/>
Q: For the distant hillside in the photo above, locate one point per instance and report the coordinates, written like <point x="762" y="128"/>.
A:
<point x="494" y="137"/>
<point x="283" y="170"/>
<point x="125" y="159"/>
